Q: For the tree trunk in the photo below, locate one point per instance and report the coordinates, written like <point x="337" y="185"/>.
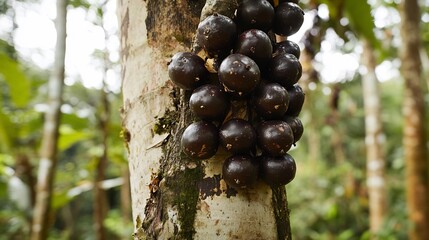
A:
<point x="415" y="141"/>
<point x="374" y="140"/>
<point x="100" y="197"/>
<point x="126" y="198"/>
<point x="42" y="209"/>
<point x="173" y="197"/>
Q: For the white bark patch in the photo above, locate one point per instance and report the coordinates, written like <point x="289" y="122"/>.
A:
<point x="375" y="182"/>
<point x="44" y="166"/>
<point x="146" y="96"/>
<point x="369" y="140"/>
<point x="375" y="165"/>
<point x="172" y="225"/>
<point x="371" y="123"/>
<point x="247" y="215"/>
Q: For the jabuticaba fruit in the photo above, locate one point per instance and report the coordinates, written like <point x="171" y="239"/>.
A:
<point x="237" y="136"/>
<point x="200" y="140"/>
<point x="271" y="101"/>
<point x="288" y="18"/>
<point x="274" y="137"/>
<point x="209" y="102"/>
<point x="277" y="171"/>
<point x="240" y="171"/>
<point x="239" y="75"/>
<point x="216" y="34"/>
<point x="255" y="15"/>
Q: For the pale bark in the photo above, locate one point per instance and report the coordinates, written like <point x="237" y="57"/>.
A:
<point x="374" y="141"/>
<point x="45" y="178"/>
<point x="415" y="140"/>
<point x="172" y="196"/>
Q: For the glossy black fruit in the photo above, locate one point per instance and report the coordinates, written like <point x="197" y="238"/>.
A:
<point x="285" y="69"/>
<point x="294" y="1"/>
<point x="237" y="136"/>
<point x="187" y="70"/>
<point x="277" y="171"/>
<point x="209" y="102"/>
<point x="288" y="19"/>
<point x="255" y="44"/>
<point x="296" y="126"/>
<point x="287" y="46"/>
<point x="253" y="14"/>
<point x="274" y="137"/>
<point x="296" y="100"/>
<point x="239" y="74"/>
<point x="216" y="34"/>
<point x="200" y="140"/>
<point x="240" y="171"/>
<point x="271" y="101"/>
<point x="282" y="1"/>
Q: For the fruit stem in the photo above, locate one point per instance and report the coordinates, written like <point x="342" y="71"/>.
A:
<point x="280" y="38"/>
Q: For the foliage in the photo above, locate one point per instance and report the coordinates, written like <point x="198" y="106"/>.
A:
<point x="328" y="199"/>
<point x="23" y="92"/>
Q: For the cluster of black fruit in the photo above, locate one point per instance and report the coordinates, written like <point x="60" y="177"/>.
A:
<point x="255" y="69"/>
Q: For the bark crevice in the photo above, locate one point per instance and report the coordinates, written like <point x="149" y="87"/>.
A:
<point x="281" y="213"/>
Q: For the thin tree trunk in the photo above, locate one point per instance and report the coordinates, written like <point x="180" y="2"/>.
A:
<point x="45" y="178"/>
<point x="100" y="198"/>
<point x="309" y="76"/>
<point x="425" y="61"/>
<point x="333" y="119"/>
<point x="415" y="141"/>
<point x="173" y="197"/>
<point x="374" y="140"/>
<point x="126" y="198"/>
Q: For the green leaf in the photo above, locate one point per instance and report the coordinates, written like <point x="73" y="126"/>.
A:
<point x="80" y="3"/>
<point x="15" y="77"/>
<point x="68" y="137"/>
<point x="74" y="121"/>
<point x="361" y="20"/>
<point x="60" y="199"/>
<point x="6" y="132"/>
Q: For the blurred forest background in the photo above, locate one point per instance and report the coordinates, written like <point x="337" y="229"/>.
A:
<point x="345" y="45"/>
